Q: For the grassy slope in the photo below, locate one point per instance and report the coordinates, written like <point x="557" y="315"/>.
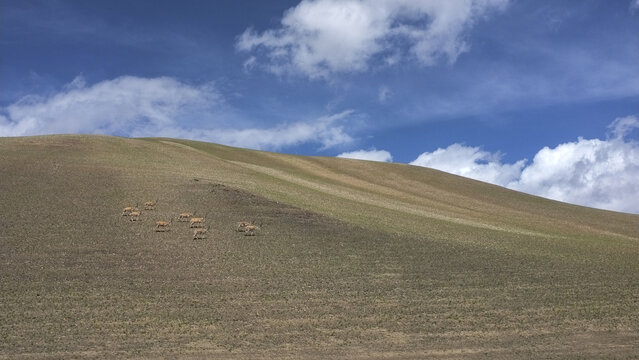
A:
<point x="355" y="258"/>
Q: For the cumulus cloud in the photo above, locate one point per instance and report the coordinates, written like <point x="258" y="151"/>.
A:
<point x="321" y="37"/>
<point x="372" y="155"/>
<point x="133" y="106"/>
<point x="590" y="172"/>
<point x="471" y="162"/>
<point x="593" y="172"/>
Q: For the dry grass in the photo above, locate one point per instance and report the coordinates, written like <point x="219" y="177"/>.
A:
<point x="354" y="259"/>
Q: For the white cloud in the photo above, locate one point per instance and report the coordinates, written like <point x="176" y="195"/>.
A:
<point x="596" y="173"/>
<point x="471" y="162"/>
<point x="324" y="131"/>
<point x="320" y="37"/>
<point x="622" y="127"/>
<point x="372" y="155"/>
<point x="133" y="106"/>
<point x="114" y="106"/>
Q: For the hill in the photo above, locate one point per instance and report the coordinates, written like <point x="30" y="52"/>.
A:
<point x="353" y="259"/>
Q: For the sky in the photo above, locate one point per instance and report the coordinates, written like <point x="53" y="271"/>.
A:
<point x="537" y="96"/>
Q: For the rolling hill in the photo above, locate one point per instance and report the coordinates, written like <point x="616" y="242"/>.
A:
<point x="353" y="259"/>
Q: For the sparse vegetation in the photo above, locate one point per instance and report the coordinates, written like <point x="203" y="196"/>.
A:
<point x="355" y="260"/>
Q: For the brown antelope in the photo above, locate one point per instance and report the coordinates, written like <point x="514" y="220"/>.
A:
<point x="128" y="210"/>
<point x="241" y="226"/>
<point x="250" y="230"/>
<point x="196" y="222"/>
<point x="134" y="215"/>
<point x="163" y="225"/>
<point x="150" y="205"/>
<point x="184" y="216"/>
<point x="200" y="233"/>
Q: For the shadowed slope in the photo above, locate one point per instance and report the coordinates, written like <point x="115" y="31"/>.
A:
<point x="354" y="258"/>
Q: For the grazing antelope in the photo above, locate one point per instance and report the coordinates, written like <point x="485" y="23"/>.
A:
<point x="184" y="216"/>
<point x="163" y="225"/>
<point x="250" y="230"/>
<point x="200" y="233"/>
<point x="241" y="226"/>
<point x="134" y="215"/>
<point x="150" y="205"/>
<point x="129" y="209"/>
<point x="196" y="222"/>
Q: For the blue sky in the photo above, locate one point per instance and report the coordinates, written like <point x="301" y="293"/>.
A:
<point x="538" y="96"/>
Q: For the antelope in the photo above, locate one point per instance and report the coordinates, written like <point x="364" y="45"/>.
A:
<point x="150" y="205"/>
<point x="200" y="233"/>
<point x="134" y="215"/>
<point x="241" y="226"/>
<point x="197" y="221"/>
<point x="129" y="209"/>
<point x="163" y="225"/>
<point x="184" y="216"/>
<point x="250" y="230"/>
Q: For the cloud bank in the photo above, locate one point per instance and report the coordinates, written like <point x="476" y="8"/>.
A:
<point x="372" y="155"/>
<point x="138" y="107"/>
<point x="321" y="37"/>
<point x="590" y="172"/>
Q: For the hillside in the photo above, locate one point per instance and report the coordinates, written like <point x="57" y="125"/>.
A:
<point x="353" y="259"/>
